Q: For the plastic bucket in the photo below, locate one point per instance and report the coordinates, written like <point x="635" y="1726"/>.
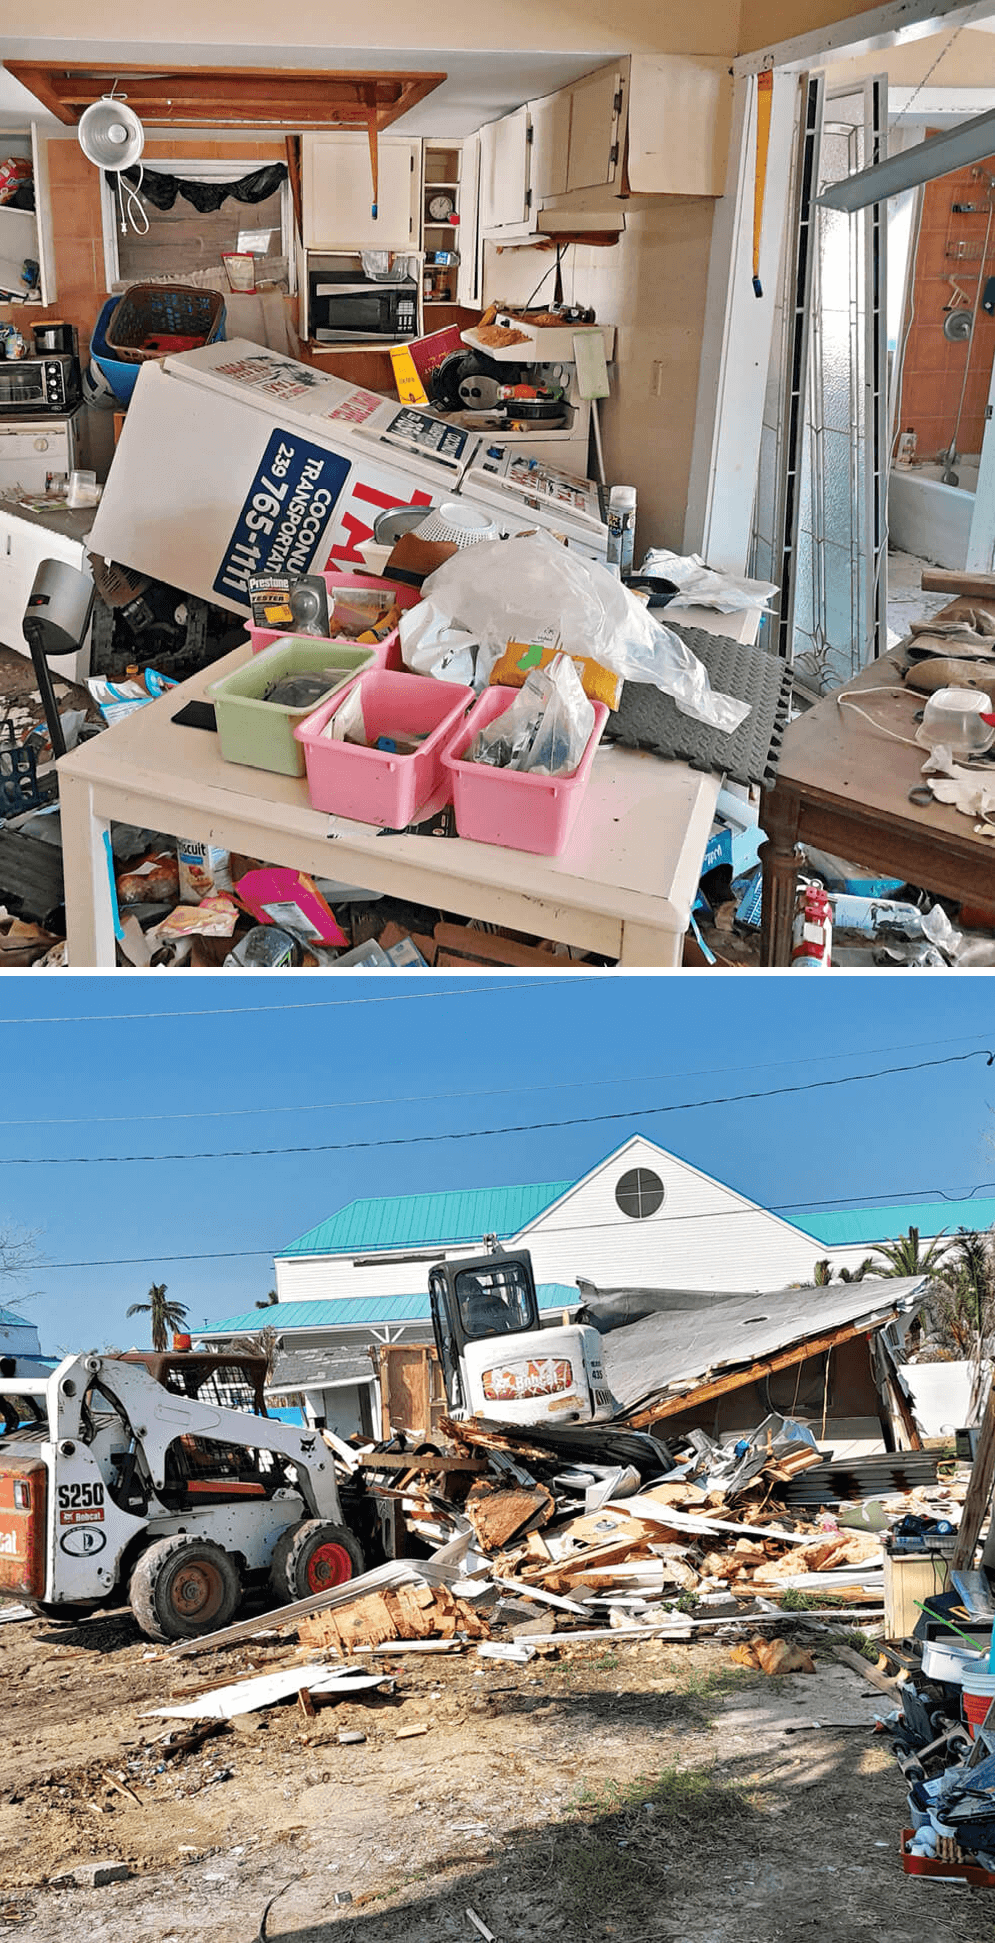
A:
<point x="254" y="731"/>
<point x="979" y="1693"/>
<point x="388" y="652"/>
<point x="382" y="786"/>
<point x="526" y="813"/>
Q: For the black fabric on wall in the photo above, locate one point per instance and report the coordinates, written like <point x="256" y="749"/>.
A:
<point x="161" y="190"/>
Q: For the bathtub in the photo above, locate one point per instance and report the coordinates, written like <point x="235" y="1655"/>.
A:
<point x="930" y="519"/>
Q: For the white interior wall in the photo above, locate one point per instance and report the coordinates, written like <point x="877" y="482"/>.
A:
<point x="651" y="286"/>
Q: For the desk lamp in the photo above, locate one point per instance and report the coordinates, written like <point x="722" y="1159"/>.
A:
<point x="55" y="623"/>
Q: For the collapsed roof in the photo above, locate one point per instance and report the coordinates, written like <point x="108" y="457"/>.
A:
<point x="662" y="1348"/>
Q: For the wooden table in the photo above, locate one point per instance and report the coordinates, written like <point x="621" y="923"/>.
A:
<point x="623" y="887"/>
<point x="843" y="786"/>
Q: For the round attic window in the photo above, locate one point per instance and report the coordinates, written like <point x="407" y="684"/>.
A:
<point x="639" y="1193"/>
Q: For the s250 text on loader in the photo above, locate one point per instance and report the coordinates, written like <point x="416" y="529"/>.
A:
<point x="158" y="1479"/>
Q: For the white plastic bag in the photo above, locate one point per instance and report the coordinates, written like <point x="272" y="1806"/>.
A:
<point x="545" y="730"/>
<point x="508" y="590"/>
<point x="705" y="587"/>
<point x="430" y="645"/>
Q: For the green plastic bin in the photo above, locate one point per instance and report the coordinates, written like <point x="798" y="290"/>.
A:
<point x="262" y="733"/>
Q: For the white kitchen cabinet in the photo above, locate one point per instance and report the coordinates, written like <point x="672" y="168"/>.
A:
<point x="24" y="232"/>
<point x="470" y="279"/>
<point x="550" y="143"/>
<point x="24" y="544"/>
<point x="596" y="124"/>
<point x="505" y="192"/>
<point x="337" y="193"/>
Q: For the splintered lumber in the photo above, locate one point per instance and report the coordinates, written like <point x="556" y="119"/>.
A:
<point x="979" y="1490"/>
<point x="418" y="1613"/>
<point x="888" y="1685"/>
<point x="500" y="1514"/>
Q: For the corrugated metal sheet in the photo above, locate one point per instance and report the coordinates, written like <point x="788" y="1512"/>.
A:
<point x="450" y="1216"/>
<point x="360" y="1310"/>
<point x="837" y="1228"/>
<point x="679" y="1348"/>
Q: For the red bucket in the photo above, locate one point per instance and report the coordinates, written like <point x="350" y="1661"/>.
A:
<point x="979" y="1694"/>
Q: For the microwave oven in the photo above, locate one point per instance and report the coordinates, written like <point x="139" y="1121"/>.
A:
<point x="346" y="309"/>
<point x="50" y="383"/>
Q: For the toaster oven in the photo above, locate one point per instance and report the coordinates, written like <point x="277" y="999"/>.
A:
<point x="49" y="383"/>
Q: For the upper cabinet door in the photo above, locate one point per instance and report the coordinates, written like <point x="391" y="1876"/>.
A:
<point x="504" y="171"/>
<point x="337" y="192"/>
<point x="468" y="234"/>
<point x="597" y="104"/>
<point x="550" y="144"/>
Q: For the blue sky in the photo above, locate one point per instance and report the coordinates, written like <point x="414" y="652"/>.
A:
<point x="292" y="1062"/>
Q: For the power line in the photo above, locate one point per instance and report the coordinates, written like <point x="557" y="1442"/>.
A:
<point x="560" y="1229"/>
<point x="470" y="1094"/>
<point x="477" y="1134"/>
<point x="299" y="1006"/>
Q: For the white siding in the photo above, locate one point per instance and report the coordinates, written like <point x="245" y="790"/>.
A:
<point x="705" y="1236"/>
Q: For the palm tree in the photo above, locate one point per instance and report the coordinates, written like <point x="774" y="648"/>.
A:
<point x="166" y="1317"/>
<point x="965" y="1310"/>
<point x="263" y="1303"/>
<point x="857" y="1276"/>
<point x="904" y="1257"/>
<point x="824" y="1272"/>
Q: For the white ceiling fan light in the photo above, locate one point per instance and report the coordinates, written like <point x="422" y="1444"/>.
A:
<point x="110" y="134"/>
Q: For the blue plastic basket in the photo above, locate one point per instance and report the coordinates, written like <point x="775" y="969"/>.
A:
<point x="121" y="374"/>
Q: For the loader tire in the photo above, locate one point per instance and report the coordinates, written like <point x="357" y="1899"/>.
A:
<point x="312" y="1558"/>
<point x="182" y="1587"/>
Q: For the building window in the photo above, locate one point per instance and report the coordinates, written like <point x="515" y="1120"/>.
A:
<point x="639" y="1193"/>
<point x="182" y="241"/>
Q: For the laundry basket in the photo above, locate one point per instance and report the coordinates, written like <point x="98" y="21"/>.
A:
<point x="154" y="319"/>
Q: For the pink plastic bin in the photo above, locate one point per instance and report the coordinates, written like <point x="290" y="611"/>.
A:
<point x="372" y="785"/>
<point x="387" y="652"/>
<point x="509" y="807"/>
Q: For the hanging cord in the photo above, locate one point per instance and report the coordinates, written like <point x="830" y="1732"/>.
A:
<point x="844" y="702"/>
<point x="136" y="209"/>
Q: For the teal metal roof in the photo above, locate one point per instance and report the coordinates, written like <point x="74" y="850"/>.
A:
<point x="838" y="1227"/>
<point x="446" y="1217"/>
<point x="9" y="1317"/>
<point x="338" y="1311"/>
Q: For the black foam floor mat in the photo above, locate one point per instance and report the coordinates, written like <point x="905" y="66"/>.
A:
<point x="646" y="719"/>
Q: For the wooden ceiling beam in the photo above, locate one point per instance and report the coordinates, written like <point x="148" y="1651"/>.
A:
<point x="250" y="96"/>
<point x="748" y="1374"/>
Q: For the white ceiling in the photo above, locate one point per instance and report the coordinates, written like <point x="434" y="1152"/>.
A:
<point x="480" y="85"/>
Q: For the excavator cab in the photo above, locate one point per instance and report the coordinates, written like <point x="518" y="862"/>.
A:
<point x="477" y="1297"/>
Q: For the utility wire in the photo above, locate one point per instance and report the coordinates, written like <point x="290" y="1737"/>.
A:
<point x="477" y="1134"/>
<point x="472" y="1094"/>
<point x="302" y="1006"/>
<point x="554" y="1229"/>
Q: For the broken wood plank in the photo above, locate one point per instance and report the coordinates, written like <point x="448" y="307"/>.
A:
<point x="944" y="580"/>
<point x="888" y="1684"/>
<point x="979" y="1491"/>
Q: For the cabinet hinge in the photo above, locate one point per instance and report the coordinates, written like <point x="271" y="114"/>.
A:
<point x="617" y="103"/>
<point x="613" y="154"/>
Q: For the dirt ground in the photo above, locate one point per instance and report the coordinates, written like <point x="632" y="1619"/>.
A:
<point x="603" y="1792"/>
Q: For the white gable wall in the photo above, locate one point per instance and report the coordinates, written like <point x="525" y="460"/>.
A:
<point x="704" y="1236"/>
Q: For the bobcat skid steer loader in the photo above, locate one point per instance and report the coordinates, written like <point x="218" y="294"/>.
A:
<point x="157" y="1478"/>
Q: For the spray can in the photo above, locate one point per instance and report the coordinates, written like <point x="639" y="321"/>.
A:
<point x="812" y="932"/>
<point x="621" y="530"/>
